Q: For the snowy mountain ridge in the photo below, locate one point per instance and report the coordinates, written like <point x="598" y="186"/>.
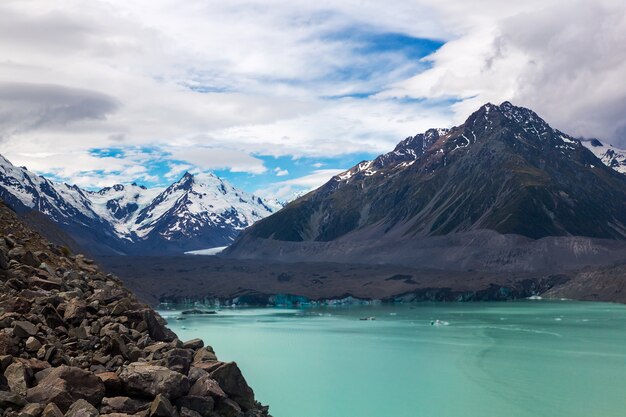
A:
<point x="195" y="212"/>
<point x="608" y="154"/>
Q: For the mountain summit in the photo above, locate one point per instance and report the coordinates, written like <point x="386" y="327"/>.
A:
<point x="196" y="212"/>
<point x="504" y="170"/>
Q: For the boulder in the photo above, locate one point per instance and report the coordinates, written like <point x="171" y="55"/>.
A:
<point x="207" y="387"/>
<point x="186" y="412"/>
<point x="4" y="384"/>
<point x="30" y="259"/>
<point x="65" y="385"/>
<point x="205" y="354"/>
<point x="228" y="408"/>
<point x="162" y="407"/>
<point x="51" y="410"/>
<point x="112" y="383"/>
<point x="156" y="327"/>
<point x="123" y="405"/>
<point x="195" y="374"/>
<point x="193" y="344"/>
<point x="11" y="399"/>
<point x="23" y="329"/>
<point x="32" y="410"/>
<point x="202" y="405"/>
<point x="32" y="344"/>
<point x="82" y="408"/>
<point x="18" y="377"/>
<point x="75" y="311"/>
<point x="140" y="378"/>
<point x="179" y="360"/>
<point x="234" y="384"/>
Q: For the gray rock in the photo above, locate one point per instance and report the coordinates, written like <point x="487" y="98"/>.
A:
<point x="32" y="344"/>
<point x="207" y="387"/>
<point x="65" y="385"/>
<point x="123" y="405"/>
<point x="205" y="354"/>
<point x="23" y="329"/>
<point x="193" y="344"/>
<point x="18" y="377"/>
<point x="32" y="410"/>
<point x="162" y="407"/>
<point x="228" y="408"/>
<point x="30" y="259"/>
<point x="82" y="408"/>
<point x="234" y="384"/>
<point x="141" y="378"/>
<point x="179" y="360"/>
<point x="51" y="410"/>
<point x="201" y="405"/>
<point x="11" y="399"/>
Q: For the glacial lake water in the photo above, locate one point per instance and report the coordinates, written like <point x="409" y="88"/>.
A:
<point x="507" y="359"/>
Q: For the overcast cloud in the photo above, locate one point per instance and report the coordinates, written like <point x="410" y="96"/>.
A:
<point x="206" y="85"/>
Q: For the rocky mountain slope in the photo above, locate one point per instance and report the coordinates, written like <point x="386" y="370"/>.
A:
<point x="75" y="342"/>
<point x="503" y="170"/>
<point x="196" y="212"/>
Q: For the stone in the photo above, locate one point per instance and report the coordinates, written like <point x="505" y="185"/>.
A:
<point x="4" y="384"/>
<point x="195" y="374"/>
<point x="234" y="384"/>
<point x="11" y="399"/>
<point x="30" y="259"/>
<point x="207" y="387"/>
<point x="34" y="364"/>
<point x="18" y="377"/>
<point x="162" y="407"/>
<point x="123" y="405"/>
<point x="82" y="408"/>
<point x="32" y="344"/>
<point x="186" y="412"/>
<point x="65" y="385"/>
<point x="112" y="383"/>
<point x="141" y="378"/>
<point x="32" y="410"/>
<point x="75" y="311"/>
<point x="201" y="405"/>
<point x="5" y="361"/>
<point x="156" y="327"/>
<point x="205" y="354"/>
<point x="23" y="329"/>
<point x="193" y="344"/>
<point x="52" y="410"/>
<point x="208" y="366"/>
<point x="228" y="408"/>
<point x="179" y="360"/>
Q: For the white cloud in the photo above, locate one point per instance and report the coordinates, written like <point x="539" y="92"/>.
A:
<point x="216" y="83"/>
<point x="289" y="189"/>
<point x="566" y="60"/>
<point x="280" y="172"/>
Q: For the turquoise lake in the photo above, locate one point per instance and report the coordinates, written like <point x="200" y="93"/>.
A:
<point x="515" y="359"/>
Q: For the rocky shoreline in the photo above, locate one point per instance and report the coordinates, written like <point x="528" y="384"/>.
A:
<point x="514" y="291"/>
<point x="74" y="342"/>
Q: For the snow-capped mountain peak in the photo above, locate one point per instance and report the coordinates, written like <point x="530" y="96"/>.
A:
<point x="197" y="211"/>
<point x="608" y="154"/>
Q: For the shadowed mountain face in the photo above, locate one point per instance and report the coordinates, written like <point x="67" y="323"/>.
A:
<point x="504" y="169"/>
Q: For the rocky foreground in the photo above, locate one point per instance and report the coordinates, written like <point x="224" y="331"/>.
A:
<point x="75" y="342"/>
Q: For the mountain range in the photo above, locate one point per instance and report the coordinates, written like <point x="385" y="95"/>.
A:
<point x="196" y="212"/>
<point x="502" y="187"/>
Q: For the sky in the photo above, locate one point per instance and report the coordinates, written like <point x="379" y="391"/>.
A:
<point x="278" y="96"/>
